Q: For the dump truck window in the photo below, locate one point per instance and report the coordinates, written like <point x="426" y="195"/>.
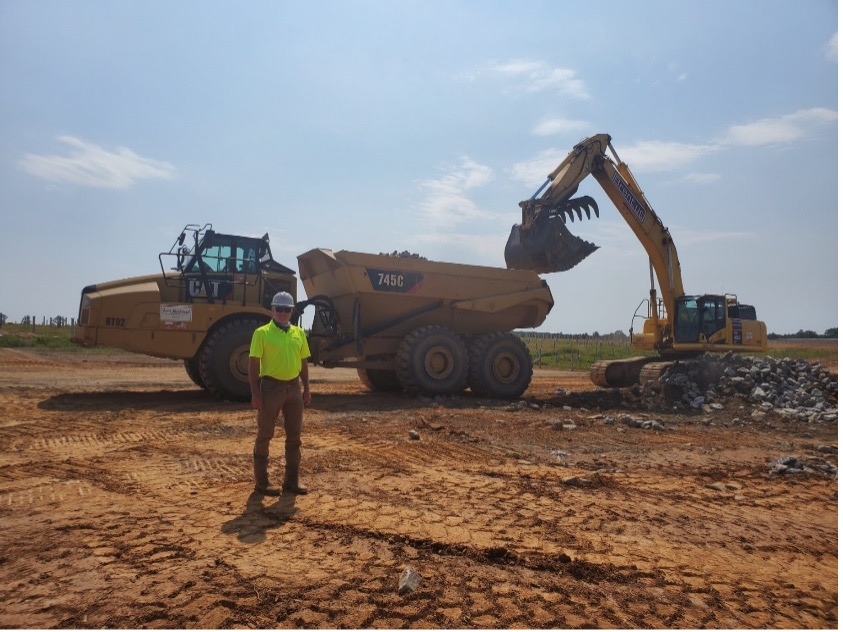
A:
<point x="216" y="257"/>
<point x="250" y="261"/>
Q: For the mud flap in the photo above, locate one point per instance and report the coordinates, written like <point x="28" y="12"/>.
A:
<point x="546" y="247"/>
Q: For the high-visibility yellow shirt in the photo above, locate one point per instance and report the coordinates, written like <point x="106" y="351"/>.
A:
<point x="280" y="352"/>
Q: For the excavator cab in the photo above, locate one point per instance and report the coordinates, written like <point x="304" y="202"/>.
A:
<point x="699" y="318"/>
<point x="713" y="319"/>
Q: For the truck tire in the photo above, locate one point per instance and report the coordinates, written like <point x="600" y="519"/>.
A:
<point x="224" y="359"/>
<point x="501" y="366"/>
<point x="191" y="365"/>
<point x="379" y="379"/>
<point x="432" y="360"/>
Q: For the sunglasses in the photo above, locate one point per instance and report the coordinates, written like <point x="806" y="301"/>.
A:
<point x="283" y="309"/>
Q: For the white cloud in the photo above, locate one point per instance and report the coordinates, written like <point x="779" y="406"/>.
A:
<point x="446" y="203"/>
<point x="472" y="248"/>
<point x="678" y="74"/>
<point x="537" y="76"/>
<point x="666" y="156"/>
<point x="783" y="129"/>
<point x="831" y="49"/>
<point x="534" y="171"/>
<point x="552" y="127"/>
<point x="655" y="155"/>
<point x="92" y="166"/>
<point x="642" y="157"/>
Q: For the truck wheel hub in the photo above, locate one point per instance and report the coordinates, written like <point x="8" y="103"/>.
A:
<point x="239" y="363"/>
<point x="439" y="363"/>
<point x="505" y="368"/>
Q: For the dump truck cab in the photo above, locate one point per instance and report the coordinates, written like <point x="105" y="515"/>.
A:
<point x="213" y="290"/>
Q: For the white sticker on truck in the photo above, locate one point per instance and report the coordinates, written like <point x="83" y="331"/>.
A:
<point x="176" y="313"/>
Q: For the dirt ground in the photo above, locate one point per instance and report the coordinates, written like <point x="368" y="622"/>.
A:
<point x="126" y="501"/>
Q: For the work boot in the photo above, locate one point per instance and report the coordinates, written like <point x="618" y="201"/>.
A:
<point x="262" y="485"/>
<point x="295" y="489"/>
<point x="291" y="482"/>
<point x="292" y="457"/>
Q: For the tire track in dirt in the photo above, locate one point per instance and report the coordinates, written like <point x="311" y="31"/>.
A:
<point x="430" y="466"/>
<point x="699" y="500"/>
<point x="152" y="559"/>
<point x="159" y="528"/>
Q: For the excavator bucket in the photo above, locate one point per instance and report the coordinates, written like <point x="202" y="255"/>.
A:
<point x="547" y="246"/>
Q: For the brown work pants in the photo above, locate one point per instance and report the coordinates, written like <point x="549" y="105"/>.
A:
<point x="281" y="397"/>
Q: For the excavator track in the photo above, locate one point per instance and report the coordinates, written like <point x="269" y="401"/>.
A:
<point x="653" y="371"/>
<point x="631" y="371"/>
<point x="618" y="373"/>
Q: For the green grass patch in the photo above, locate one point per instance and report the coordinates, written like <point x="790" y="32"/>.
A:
<point x="578" y="354"/>
<point x="12" y="340"/>
<point x="812" y="354"/>
<point x="40" y="336"/>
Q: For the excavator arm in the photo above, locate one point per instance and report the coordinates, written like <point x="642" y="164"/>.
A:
<point x="543" y="243"/>
<point x="690" y="325"/>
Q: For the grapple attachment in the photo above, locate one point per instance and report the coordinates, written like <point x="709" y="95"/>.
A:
<point x="547" y="245"/>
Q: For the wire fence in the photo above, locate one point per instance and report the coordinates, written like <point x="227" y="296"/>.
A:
<point x="44" y="321"/>
<point x="575" y="353"/>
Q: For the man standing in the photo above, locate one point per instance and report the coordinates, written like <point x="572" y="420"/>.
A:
<point x="280" y="384"/>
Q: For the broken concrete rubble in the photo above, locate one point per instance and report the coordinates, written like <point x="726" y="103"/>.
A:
<point x="791" y="388"/>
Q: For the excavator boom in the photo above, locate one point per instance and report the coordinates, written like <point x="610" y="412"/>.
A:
<point x="542" y="241"/>
<point x="688" y="325"/>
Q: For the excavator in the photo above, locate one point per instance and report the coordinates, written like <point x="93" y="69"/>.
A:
<point x="677" y="325"/>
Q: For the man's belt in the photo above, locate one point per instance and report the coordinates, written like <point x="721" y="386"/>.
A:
<point x="275" y="379"/>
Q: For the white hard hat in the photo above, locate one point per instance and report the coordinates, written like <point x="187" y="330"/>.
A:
<point x="283" y="299"/>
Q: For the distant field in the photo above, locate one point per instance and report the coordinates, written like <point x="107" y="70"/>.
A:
<point x="822" y="350"/>
<point x="801" y="343"/>
<point x="548" y="350"/>
<point x="578" y="354"/>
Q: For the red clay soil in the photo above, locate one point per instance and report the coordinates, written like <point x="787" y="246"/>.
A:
<point x="126" y="501"/>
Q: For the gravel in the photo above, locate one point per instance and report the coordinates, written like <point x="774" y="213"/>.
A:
<point x="795" y="389"/>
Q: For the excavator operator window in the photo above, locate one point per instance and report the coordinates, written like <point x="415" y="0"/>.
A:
<point x="687" y="320"/>
<point x="697" y="315"/>
<point x="712" y="315"/>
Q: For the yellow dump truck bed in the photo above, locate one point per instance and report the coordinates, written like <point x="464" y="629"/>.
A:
<point x="393" y="295"/>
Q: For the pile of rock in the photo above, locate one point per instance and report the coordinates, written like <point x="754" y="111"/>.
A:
<point x="405" y="254"/>
<point x="791" y="465"/>
<point x="795" y="388"/>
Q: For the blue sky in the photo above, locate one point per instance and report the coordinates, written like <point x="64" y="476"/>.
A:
<point x="403" y="125"/>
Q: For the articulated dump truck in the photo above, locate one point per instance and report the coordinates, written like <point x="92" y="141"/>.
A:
<point x="404" y="323"/>
<point x="423" y="326"/>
